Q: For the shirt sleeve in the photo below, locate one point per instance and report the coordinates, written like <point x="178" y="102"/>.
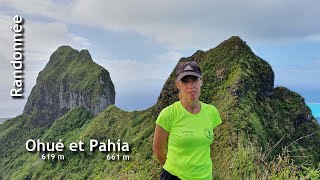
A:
<point x="216" y="118"/>
<point x="164" y="119"/>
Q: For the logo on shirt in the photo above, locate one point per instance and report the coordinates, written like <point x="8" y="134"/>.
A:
<point x="187" y="132"/>
<point x="208" y="133"/>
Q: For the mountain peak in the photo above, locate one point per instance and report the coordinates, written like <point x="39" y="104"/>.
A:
<point x="64" y="47"/>
<point x="235" y="40"/>
<point x="232" y="66"/>
<point x="241" y="85"/>
<point x="234" y="43"/>
<point x="70" y="79"/>
<point x="256" y="116"/>
<point x="68" y="54"/>
<point x="85" y="55"/>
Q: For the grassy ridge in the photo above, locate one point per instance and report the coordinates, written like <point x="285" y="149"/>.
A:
<point x="267" y="132"/>
<point x="3" y="120"/>
<point x="79" y="124"/>
<point x="70" y="75"/>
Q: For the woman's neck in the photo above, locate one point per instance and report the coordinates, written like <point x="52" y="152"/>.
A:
<point x="191" y="106"/>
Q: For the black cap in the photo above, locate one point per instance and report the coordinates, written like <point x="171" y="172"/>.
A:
<point x="188" y="68"/>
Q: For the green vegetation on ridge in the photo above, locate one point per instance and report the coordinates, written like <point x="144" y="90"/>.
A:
<point x="267" y="132"/>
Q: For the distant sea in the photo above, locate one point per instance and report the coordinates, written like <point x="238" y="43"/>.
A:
<point x="315" y="109"/>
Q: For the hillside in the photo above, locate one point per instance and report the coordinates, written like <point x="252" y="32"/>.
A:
<point x="70" y="80"/>
<point x="256" y="115"/>
<point x="3" y="120"/>
<point x="241" y="86"/>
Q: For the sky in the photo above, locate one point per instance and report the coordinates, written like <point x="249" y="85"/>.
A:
<point x="140" y="42"/>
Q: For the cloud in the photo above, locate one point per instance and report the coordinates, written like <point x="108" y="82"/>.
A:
<point x="41" y="39"/>
<point x="6" y="39"/>
<point x="313" y="37"/>
<point x="188" y="24"/>
<point x="131" y="75"/>
<point x="133" y="70"/>
<point x="175" y="25"/>
<point x="44" y="38"/>
<point x="169" y="56"/>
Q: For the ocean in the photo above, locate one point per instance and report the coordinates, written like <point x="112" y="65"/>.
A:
<point x="315" y="109"/>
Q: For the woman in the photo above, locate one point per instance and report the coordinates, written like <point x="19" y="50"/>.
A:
<point x="186" y="128"/>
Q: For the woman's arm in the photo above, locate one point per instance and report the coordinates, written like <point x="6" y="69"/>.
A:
<point x="160" y="142"/>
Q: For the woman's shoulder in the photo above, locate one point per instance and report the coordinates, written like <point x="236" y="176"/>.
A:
<point x="169" y="111"/>
<point x="171" y="107"/>
<point x="208" y="106"/>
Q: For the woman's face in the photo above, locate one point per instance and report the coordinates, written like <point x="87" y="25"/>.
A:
<point x="189" y="87"/>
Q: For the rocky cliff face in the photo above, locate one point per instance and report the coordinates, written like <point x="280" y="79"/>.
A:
<point x="70" y="79"/>
<point x="255" y="115"/>
<point x="241" y="85"/>
<point x="231" y="67"/>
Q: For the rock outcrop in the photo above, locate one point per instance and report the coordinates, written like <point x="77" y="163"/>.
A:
<point x="241" y="85"/>
<point x="231" y="64"/>
<point x="70" y="79"/>
<point x="259" y="120"/>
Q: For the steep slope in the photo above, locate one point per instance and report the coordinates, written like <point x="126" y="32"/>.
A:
<point x="241" y="85"/>
<point x="70" y="80"/>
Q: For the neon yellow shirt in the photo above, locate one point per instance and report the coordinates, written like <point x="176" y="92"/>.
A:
<point x="190" y="136"/>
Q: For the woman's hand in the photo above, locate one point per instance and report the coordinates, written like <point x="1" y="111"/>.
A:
<point x="160" y="142"/>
